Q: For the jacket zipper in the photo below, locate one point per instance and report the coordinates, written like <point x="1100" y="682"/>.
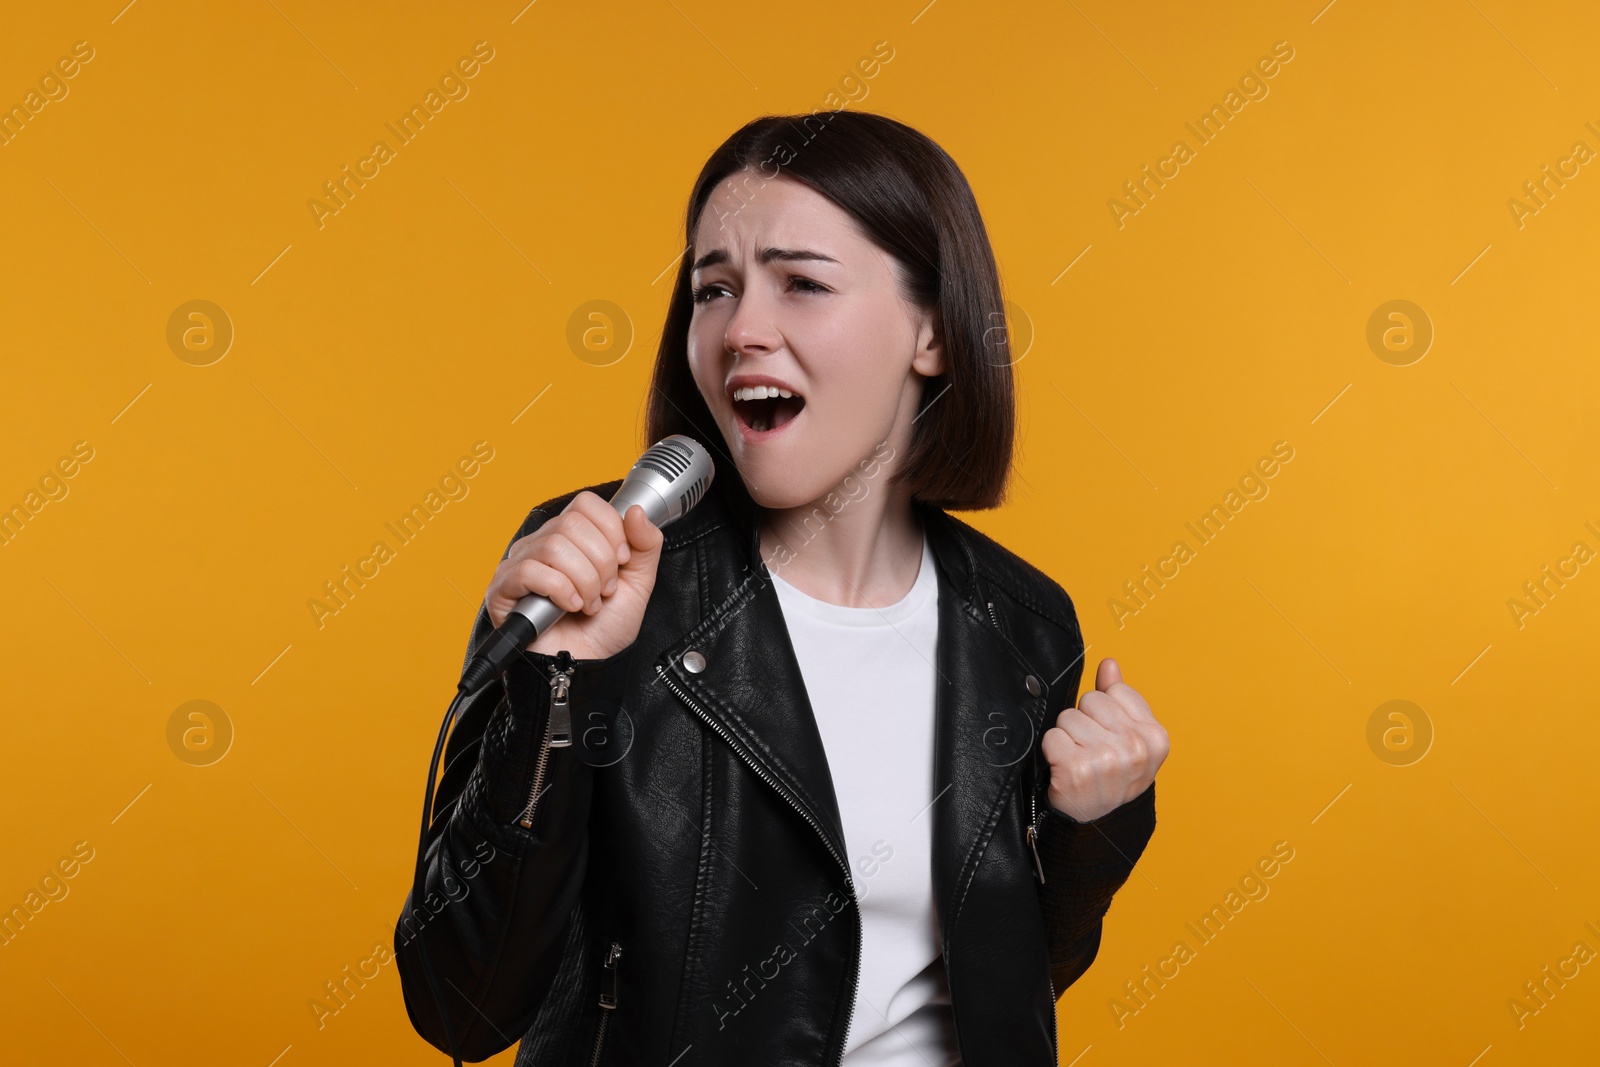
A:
<point x="608" y="999"/>
<point x="1054" y="1049"/>
<point x="557" y="732"/>
<point x="1033" y="837"/>
<point x="764" y="776"/>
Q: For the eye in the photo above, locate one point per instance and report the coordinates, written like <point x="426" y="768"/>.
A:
<point x="703" y="294"/>
<point x="809" y="286"/>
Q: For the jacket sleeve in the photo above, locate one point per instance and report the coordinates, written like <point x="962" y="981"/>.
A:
<point x="1084" y="863"/>
<point x="1084" y="866"/>
<point x="497" y="894"/>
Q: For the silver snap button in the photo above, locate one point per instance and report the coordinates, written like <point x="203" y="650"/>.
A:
<point x="694" y="662"/>
<point x="1034" y="688"/>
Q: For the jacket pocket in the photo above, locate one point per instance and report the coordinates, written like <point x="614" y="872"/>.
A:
<point x="608" y="999"/>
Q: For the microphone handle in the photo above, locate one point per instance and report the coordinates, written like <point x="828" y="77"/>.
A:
<point x="535" y="613"/>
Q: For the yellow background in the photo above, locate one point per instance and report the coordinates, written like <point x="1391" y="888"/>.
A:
<point x="1228" y="314"/>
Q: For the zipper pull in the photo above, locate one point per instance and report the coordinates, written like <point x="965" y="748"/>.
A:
<point x="1033" y="838"/>
<point x="608" y="978"/>
<point x="560" y="710"/>
<point x="557" y="732"/>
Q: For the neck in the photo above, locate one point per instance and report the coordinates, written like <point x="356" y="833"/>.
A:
<point x="855" y="551"/>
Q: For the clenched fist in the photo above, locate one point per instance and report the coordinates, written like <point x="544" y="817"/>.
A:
<point x="1104" y="752"/>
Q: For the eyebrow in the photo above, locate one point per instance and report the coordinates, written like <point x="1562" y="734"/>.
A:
<point x="763" y="256"/>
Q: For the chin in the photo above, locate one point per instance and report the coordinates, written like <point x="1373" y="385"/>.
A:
<point x="771" y="485"/>
<point x="774" y="485"/>
<point x="777" y="491"/>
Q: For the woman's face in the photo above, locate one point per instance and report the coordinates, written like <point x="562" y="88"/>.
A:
<point x="789" y="294"/>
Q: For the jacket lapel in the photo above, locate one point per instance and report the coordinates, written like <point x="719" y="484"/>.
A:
<point x="985" y="725"/>
<point x="748" y="687"/>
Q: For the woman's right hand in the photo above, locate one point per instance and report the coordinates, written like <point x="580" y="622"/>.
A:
<point x="597" y="564"/>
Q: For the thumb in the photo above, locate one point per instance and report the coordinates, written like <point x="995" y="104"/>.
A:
<point x="1107" y="675"/>
<point x="644" y="537"/>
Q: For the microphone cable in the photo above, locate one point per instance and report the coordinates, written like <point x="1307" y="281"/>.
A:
<point x="418" y="884"/>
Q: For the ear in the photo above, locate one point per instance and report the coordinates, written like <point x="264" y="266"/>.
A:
<point x="929" y="359"/>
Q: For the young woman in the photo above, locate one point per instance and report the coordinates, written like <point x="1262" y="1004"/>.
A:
<point x="827" y="799"/>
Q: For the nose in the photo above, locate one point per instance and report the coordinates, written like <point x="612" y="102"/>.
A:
<point x="751" y="328"/>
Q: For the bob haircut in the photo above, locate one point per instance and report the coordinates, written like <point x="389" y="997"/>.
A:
<point x="908" y="196"/>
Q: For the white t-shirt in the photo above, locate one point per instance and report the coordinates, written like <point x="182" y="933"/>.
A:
<point x="869" y="675"/>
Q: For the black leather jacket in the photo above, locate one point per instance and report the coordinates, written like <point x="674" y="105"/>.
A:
<point x="672" y="888"/>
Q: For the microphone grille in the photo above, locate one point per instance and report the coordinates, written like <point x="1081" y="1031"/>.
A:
<point x="669" y="458"/>
<point x="691" y="496"/>
<point x="685" y="465"/>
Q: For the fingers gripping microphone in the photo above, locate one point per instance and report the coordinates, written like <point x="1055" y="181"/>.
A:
<point x="667" y="481"/>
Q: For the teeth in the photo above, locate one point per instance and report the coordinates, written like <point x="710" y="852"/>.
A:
<point x="759" y="392"/>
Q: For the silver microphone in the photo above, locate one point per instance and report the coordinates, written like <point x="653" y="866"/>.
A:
<point x="668" y="480"/>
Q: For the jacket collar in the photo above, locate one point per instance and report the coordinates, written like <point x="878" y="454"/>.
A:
<point x="751" y="692"/>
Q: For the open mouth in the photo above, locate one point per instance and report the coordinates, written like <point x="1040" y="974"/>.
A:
<point x="766" y="407"/>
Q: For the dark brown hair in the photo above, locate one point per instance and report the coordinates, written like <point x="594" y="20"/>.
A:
<point x="909" y="197"/>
